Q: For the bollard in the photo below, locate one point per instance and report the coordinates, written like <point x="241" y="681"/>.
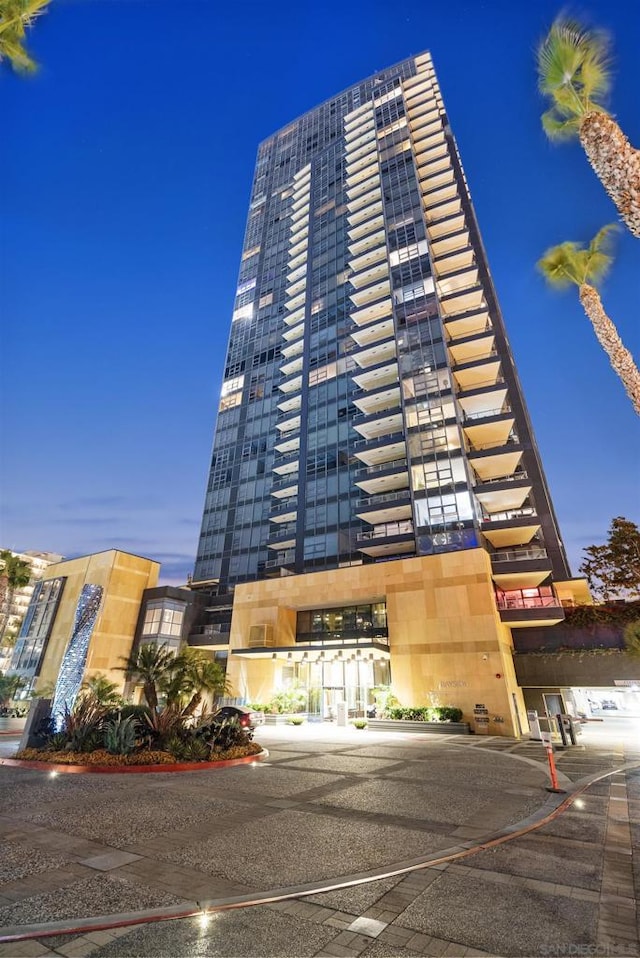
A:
<point x="562" y="729"/>
<point x="548" y="744"/>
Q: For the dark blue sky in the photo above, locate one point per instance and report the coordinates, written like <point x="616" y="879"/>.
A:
<point x="126" y="168"/>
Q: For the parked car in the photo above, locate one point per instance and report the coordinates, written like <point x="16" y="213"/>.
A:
<point x="248" y="718"/>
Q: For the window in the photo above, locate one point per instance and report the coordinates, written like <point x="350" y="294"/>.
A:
<point x="163" y="619"/>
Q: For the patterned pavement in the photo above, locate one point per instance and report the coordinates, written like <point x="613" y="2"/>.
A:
<point x="332" y="804"/>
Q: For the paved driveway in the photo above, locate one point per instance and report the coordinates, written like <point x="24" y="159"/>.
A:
<point x="330" y="803"/>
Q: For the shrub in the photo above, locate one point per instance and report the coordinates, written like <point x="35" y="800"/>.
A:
<point x="83" y="725"/>
<point x="427" y="713"/>
<point x="120" y="736"/>
<point x="359" y="723"/>
<point x="449" y="713"/>
<point x="296" y="720"/>
<point x="289" y="700"/>
<point x="161" y="726"/>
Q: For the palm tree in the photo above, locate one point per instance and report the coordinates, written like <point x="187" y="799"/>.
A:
<point x="16" y="574"/>
<point x="204" y="675"/>
<point x="572" y="263"/>
<point x="574" y="72"/>
<point x="102" y="689"/>
<point x="10" y="685"/>
<point x="15" y="16"/>
<point x="151" y="664"/>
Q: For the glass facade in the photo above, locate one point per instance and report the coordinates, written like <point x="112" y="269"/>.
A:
<point x="36" y="628"/>
<point x="370" y="408"/>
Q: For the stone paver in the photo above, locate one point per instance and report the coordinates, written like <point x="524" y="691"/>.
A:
<point x="328" y="804"/>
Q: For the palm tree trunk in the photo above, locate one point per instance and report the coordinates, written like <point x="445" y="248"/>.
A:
<point x="619" y="357"/>
<point x="616" y="164"/>
<point x="193" y="704"/>
<point x="149" y="692"/>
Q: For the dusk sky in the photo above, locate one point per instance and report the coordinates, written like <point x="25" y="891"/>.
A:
<point x="126" y="167"/>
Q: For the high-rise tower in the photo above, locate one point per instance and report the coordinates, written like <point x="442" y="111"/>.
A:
<point x="370" y="409"/>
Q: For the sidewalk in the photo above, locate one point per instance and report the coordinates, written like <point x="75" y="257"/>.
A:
<point x="330" y="803"/>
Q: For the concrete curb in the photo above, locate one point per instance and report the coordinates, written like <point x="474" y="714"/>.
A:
<point x="133" y="769"/>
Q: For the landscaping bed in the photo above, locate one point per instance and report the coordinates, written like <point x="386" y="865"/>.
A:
<point x="144" y="761"/>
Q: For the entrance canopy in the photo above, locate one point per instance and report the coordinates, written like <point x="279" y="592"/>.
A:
<point x="320" y="652"/>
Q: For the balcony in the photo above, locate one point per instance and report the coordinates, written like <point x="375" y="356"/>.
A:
<point x="372" y="313"/>
<point x="291" y="384"/>
<point x="375" y="240"/>
<point x="383" y="476"/>
<point x="287" y="463"/>
<point x="511" y="528"/>
<point x="379" y="423"/>
<point x="520" y="568"/>
<point x="445" y="227"/>
<point x="286" y="482"/>
<point x="488" y="429"/>
<point x="387" y="507"/>
<point x="384" y="374"/>
<point x="378" y="401"/>
<point x="496" y="460"/>
<point x="470" y="348"/>
<point x="367" y="211"/>
<point x="373" y="226"/>
<point x="453" y="262"/>
<point x="294" y="334"/>
<point x="376" y="452"/>
<point x="503" y="494"/>
<point x="282" y="536"/>
<point x="283" y="560"/>
<point x="390" y="538"/>
<point x="478" y="375"/>
<point x="370" y="273"/>
<point x="373" y="355"/>
<point x="285" y="511"/>
<point x="368" y="259"/>
<point x="522" y="608"/>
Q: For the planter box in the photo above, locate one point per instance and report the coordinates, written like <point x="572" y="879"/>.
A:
<point x="284" y="718"/>
<point x="402" y="725"/>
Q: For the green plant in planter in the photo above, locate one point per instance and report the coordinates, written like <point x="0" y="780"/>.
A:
<point x="359" y="723"/>
<point x="288" y="700"/>
<point x="120" y="736"/>
<point x="295" y="720"/>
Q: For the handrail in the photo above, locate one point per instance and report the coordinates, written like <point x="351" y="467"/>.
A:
<point x="486" y="413"/>
<point x="381" y="466"/>
<point x="515" y="477"/>
<point x="389" y="529"/>
<point x="516" y="554"/>
<point x="509" y="514"/>
<point x="382" y="497"/>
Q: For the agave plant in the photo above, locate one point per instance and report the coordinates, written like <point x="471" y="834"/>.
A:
<point x="574" y="72"/>
<point x="120" y="736"/>
<point x="573" y="264"/>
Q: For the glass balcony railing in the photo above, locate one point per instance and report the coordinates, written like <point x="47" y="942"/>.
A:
<point x="517" y="555"/>
<point x="283" y="558"/>
<point x="382" y="499"/>
<point x="392" y="465"/>
<point x="386" y="531"/>
<point x="515" y="477"/>
<point x="486" y="414"/>
<point x="529" y="512"/>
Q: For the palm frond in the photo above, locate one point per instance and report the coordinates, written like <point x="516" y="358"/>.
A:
<point x="574" y="68"/>
<point x="572" y="262"/>
<point x="559" y="127"/>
